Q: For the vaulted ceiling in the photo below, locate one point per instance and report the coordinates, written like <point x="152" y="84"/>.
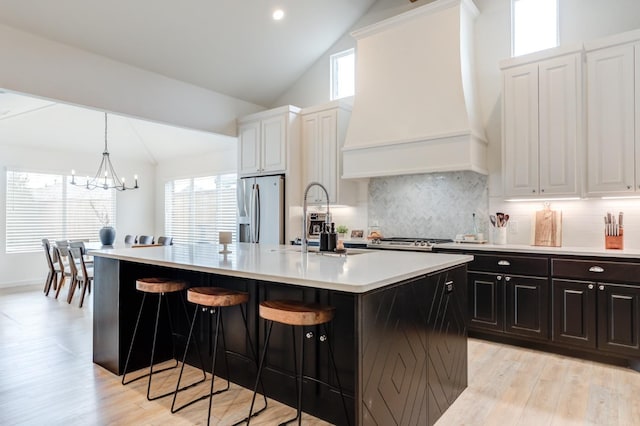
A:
<point x="233" y="47"/>
<point x="230" y="46"/>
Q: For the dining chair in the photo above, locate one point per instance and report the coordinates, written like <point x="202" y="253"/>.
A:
<point x="165" y="241"/>
<point x="145" y="239"/>
<point x="52" y="276"/>
<point x="83" y="276"/>
<point x="83" y="250"/>
<point x="62" y="256"/>
<point x="130" y="239"/>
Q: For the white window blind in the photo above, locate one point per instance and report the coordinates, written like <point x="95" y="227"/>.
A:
<point x="41" y="205"/>
<point x="196" y="209"/>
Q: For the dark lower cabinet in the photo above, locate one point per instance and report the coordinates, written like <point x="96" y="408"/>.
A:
<point x="619" y="318"/>
<point x="597" y="315"/>
<point x="511" y="304"/>
<point x="574" y="319"/>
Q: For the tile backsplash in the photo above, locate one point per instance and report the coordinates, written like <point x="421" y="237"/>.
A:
<point x="436" y="205"/>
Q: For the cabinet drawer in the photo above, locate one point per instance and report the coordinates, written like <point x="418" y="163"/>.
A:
<point x="521" y="265"/>
<point x="595" y="270"/>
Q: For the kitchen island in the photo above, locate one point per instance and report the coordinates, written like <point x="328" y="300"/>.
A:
<point x="399" y="332"/>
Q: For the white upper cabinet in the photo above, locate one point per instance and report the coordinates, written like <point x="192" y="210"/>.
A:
<point x="266" y="140"/>
<point x="611" y="117"/>
<point x="541" y="124"/>
<point x="323" y="134"/>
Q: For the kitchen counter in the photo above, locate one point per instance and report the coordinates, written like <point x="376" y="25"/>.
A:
<point x="561" y="251"/>
<point x="357" y="272"/>
<point x="391" y="308"/>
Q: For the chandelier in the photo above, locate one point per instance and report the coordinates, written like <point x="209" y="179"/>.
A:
<point x="106" y="177"/>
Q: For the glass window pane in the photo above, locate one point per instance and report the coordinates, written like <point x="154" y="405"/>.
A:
<point x="534" y="25"/>
<point x="342" y="74"/>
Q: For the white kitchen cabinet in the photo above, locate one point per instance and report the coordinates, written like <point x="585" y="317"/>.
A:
<point x="542" y="98"/>
<point x="612" y="148"/>
<point x="323" y="133"/>
<point x="266" y="140"/>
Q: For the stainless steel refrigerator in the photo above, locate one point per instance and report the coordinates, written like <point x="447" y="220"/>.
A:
<point x="261" y="209"/>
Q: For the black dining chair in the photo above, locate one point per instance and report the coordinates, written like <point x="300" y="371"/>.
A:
<point x="165" y="241"/>
<point x="145" y="239"/>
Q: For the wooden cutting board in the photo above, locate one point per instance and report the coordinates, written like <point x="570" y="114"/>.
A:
<point x="547" y="228"/>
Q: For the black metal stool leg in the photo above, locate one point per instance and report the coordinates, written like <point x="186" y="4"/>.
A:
<point x="153" y="347"/>
<point x="184" y="357"/>
<point x="213" y="364"/>
<point x="299" y="373"/>
<point x="335" y="369"/>
<point x="186" y="315"/>
<point x="258" y="378"/>
<point x="133" y="339"/>
<point x="255" y="359"/>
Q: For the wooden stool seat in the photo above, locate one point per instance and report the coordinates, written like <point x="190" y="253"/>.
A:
<point x="294" y="312"/>
<point x="216" y="296"/>
<point x="160" y="285"/>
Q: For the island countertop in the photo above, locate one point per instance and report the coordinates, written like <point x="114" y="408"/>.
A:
<point x="359" y="271"/>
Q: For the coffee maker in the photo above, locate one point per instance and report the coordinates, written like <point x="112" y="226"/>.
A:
<point x="315" y="222"/>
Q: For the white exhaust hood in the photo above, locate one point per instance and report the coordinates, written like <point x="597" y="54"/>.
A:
<point x="414" y="106"/>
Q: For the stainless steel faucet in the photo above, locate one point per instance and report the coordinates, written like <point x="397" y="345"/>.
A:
<point x="305" y="243"/>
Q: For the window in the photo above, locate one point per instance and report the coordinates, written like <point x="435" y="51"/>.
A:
<point x="534" y="25"/>
<point x="41" y="205"/>
<point x="343" y="74"/>
<point x="196" y="209"/>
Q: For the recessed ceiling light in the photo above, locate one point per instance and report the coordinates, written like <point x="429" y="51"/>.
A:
<point x="278" y="14"/>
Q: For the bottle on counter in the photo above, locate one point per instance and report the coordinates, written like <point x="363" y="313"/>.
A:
<point x="324" y="237"/>
<point x="333" y="238"/>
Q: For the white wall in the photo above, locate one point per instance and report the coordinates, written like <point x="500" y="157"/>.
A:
<point x="135" y="209"/>
<point x="580" y="20"/>
<point x="37" y="66"/>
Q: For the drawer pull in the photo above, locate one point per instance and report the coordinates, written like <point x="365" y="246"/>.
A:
<point x="596" y="269"/>
<point x="504" y="263"/>
<point x="601" y="288"/>
<point x="507" y="279"/>
<point x="499" y="277"/>
<point x="590" y="286"/>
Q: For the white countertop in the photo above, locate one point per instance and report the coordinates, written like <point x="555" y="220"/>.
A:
<point x="358" y="272"/>
<point x="521" y="248"/>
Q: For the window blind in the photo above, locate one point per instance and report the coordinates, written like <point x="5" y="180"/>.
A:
<point x="41" y="205"/>
<point x="196" y="209"/>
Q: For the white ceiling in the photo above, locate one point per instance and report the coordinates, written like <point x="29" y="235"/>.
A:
<point x="229" y="46"/>
<point x="39" y="123"/>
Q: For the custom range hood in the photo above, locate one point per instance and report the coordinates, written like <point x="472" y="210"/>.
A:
<point x="414" y="105"/>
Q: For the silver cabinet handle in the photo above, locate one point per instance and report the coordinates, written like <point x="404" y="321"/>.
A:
<point x="601" y="287"/>
<point x="596" y="269"/>
<point x="504" y="263"/>
<point x="323" y="338"/>
<point x="590" y="286"/>
<point x="499" y="277"/>
<point x="507" y="279"/>
<point x="309" y="334"/>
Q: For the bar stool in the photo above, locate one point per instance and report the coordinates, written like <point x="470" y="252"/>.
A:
<point x="213" y="299"/>
<point x="296" y="314"/>
<point x="161" y="287"/>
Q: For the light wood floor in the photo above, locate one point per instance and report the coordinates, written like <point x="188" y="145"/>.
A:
<point x="47" y="377"/>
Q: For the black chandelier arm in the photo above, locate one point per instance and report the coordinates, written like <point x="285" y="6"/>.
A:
<point x="106" y="173"/>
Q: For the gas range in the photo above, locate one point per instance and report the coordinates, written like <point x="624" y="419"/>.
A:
<point x="409" y="244"/>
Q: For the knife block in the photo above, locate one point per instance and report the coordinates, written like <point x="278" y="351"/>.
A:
<point x="614" y="242"/>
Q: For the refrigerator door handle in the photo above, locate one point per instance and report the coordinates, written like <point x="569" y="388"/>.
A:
<point x="257" y="228"/>
<point x="254" y="213"/>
